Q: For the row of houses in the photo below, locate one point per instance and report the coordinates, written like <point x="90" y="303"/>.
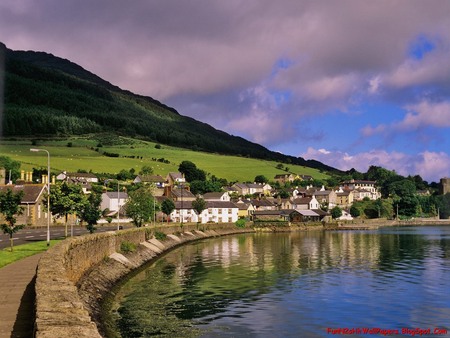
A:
<point x="306" y="202"/>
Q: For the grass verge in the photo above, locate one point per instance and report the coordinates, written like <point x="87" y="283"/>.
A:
<point x="22" y="251"/>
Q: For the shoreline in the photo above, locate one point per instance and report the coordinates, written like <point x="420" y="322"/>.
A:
<point x="92" y="268"/>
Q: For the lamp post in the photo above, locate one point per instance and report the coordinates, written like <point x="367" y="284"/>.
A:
<point x="48" y="191"/>
<point x="118" y="205"/>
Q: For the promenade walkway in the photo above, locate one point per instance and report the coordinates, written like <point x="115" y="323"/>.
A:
<point x="17" y="298"/>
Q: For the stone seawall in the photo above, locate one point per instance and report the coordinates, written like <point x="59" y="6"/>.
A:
<point x="74" y="277"/>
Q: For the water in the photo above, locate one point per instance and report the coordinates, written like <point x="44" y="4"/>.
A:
<point x="293" y="285"/>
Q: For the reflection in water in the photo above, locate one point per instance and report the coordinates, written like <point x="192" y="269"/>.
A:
<point x="291" y="285"/>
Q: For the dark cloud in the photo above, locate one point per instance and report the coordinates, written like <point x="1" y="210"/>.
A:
<point x="228" y="63"/>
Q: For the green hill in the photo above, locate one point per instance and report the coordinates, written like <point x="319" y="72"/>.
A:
<point x="134" y="154"/>
<point x="46" y="96"/>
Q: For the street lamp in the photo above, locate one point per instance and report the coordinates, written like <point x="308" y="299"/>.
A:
<point x="48" y="191"/>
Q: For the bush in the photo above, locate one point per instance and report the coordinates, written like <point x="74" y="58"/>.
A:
<point x="127" y="247"/>
<point x="160" y="236"/>
<point x="240" y="223"/>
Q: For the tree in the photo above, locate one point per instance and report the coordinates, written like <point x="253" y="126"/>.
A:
<point x="146" y="170"/>
<point x="336" y="212"/>
<point x="90" y="212"/>
<point x="140" y="206"/>
<point x="199" y="204"/>
<point x="202" y="187"/>
<point x="10" y="208"/>
<point x="191" y="172"/>
<point x="403" y="193"/>
<point x="261" y="179"/>
<point x="167" y="206"/>
<point x="354" y="211"/>
<point x="66" y="199"/>
<point x="10" y="165"/>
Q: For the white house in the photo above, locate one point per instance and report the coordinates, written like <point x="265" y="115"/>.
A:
<point x="306" y="203"/>
<point x="216" y="212"/>
<point x="220" y="212"/>
<point x="113" y="200"/>
<point x="87" y="177"/>
<point x="362" y="189"/>
<point x="217" y="196"/>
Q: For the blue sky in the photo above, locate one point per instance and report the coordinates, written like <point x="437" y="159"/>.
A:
<point x="350" y="83"/>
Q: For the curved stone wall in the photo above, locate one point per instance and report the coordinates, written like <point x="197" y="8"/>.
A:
<point x="75" y="276"/>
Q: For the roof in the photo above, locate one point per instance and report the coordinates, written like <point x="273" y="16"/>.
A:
<point x="302" y="200"/>
<point x="221" y="204"/>
<point x="176" y="176"/>
<point x="31" y="191"/>
<point x="322" y="192"/>
<point x="262" y="203"/>
<point x="282" y="212"/>
<point x="212" y="195"/>
<point x="182" y="193"/>
<point x="115" y="195"/>
<point x="151" y="178"/>
<point x="80" y="175"/>
<point x="308" y="213"/>
<point x="359" y="182"/>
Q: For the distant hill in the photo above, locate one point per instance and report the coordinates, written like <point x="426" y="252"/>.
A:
<point x="47" y="96"/>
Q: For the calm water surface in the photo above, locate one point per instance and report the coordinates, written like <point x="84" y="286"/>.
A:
<point x="293" y="285"/>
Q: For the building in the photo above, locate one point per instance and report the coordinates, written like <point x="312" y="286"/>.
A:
<point x="284" y="178"/>
<point x="444" y="187"/>
<point x="113" y="200"/>
<point x="362" y="189"/>
<point x="305" y="203"/>
<point x="174" y="179"/>
<point x="217" y="196"/>
<point x="82" y="177"/>
<point x="157" y="180"/>
<point x="215" y="212"/>
<point x="34" y="203"/>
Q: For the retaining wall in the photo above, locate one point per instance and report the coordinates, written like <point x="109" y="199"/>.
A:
<point x="75" y="276"/>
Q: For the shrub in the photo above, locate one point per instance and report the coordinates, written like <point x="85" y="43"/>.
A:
<point x="127" y="247"/>
<point x="240" y="223"/>
<point x="160" y="236"/>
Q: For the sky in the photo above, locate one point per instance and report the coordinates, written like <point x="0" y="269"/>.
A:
<point x="350" y="83"/>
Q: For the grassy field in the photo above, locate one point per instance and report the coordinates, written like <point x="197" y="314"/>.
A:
<point x="81" y="156"/>
<point x="22" y="251"/>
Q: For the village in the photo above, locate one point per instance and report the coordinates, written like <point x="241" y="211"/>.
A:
<point x="248" y="201"/>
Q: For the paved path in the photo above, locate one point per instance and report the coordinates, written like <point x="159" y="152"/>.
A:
<point x="17" y="297"/>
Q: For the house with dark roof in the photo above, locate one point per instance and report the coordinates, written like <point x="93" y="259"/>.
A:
<point x="34" y="203"/>
<point x="175" y="178"/>
<point x="181" y="194"/>
<point x="215" y="212"/>
<point x="157" y="180"/>
<point x="288" y="215"/>
<point x="216" y="196"/>
<point x="86" y="177"/>
<point x="113" y="200"/>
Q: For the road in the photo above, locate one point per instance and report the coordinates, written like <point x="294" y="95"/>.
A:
<point x="27" y="235"/>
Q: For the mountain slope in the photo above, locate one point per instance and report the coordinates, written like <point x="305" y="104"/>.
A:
<point x="47" y="96"/>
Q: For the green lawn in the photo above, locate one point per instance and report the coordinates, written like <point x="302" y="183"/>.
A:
<point x="22" y="251"/>
<point x="81" y="156"/>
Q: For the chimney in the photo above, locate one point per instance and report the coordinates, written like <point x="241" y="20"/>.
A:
<point x="53" y="179"/>
<point x="22" y="175"/>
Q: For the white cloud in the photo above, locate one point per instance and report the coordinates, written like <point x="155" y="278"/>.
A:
<point x="431" y="166"/>
<point x="419" y="116"/>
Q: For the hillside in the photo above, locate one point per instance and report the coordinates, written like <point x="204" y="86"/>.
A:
<point x="46" y="96"/>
